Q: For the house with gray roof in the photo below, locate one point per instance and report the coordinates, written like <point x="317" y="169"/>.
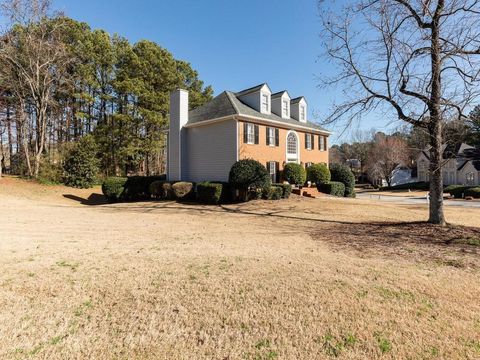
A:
<point x="204" y="143"/>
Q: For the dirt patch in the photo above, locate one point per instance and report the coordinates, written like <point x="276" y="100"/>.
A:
<point x="457" y="246"/>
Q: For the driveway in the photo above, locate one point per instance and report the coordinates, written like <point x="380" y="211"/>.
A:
<point x="415" y="199"/>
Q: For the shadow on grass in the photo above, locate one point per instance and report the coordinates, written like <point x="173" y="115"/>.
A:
<point x="92" y="200"/>
<point x="457" y="246"/>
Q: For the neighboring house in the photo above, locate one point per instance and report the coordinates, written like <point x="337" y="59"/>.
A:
<point x="402" y="175"/>
<point x="205" y="142"/>
<point x="461" y="165"/>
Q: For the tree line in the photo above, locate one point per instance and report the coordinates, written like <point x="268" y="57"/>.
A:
<point x="61" y="81"/>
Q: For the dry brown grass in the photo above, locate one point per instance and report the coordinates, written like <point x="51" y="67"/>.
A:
<point x="297" y="279"/>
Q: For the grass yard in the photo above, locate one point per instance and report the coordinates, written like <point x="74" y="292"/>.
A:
<point x="295" y="279"/>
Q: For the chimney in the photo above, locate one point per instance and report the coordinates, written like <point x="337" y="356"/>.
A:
<point x="176" y="133"/>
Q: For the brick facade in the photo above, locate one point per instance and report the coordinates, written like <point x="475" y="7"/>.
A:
<point x="265" y="153"/>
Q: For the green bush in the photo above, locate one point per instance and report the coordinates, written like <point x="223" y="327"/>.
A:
<point x="50" y="173"/>
<point x="209" y="192"/>
<point x="167" y="193"/>
<point x="459" y="192"/>
<point x="286" y="190"/>
<point x="334" y="188"/>
<point x="342" y="173"/>
<point x="450" y="188"/>
<point x="183" y="190"/>
<point x="273" y="193"/>
<point x="473" y="192"/>
<point x="138" y="187"/>
<point x="248" y="175"/>
<point x="113" y="188"/>
<point x="81" y="164"/>
<point x="318" y="174"/>
<point x="295" y="174"/>
<point x="156" y="189"/>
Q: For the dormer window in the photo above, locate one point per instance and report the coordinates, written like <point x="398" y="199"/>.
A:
<point x="302" y="113"/>
<point x="285" y="104"/>
<point x="265" y="104"/>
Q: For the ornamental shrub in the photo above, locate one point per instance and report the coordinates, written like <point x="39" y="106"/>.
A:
<point x="286" y="190"/>
<point x="318" y="174"/>
<point x="273" y="193"/>
<point x="138" y="187"/>
<point x="473" y="192"/>
<point x="295" y="174"/>
<point x="113" y="188"/>
<point x="209" y="193"/>
<point x="342" y="173"/>
<point x="81" y="164"/>
<point x="182" y="190"/>
<point x="459" y="192"/>
<point x="451" y="188"/>
<point x="248" y="175"/>
<point x="334" y="188"/>
<point x="156" y="189"/>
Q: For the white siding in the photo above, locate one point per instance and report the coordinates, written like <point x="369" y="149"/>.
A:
<point x="211" y="151"/>
<point x="176" y="134"/>
<point x="462" y="174"/>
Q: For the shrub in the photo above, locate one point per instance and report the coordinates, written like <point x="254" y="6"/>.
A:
<point x="473" y="192"/>
<point x="295" y="174"/>
<point x="81" y="164"/>
<point x="248" y="175"/>
<point x="167" y="193"/>
<point x="113" y="188"/>
<point x="420" y="185"/>
<point x="209" y="193"/>
<point x="183" y="190"/>
<point x="156" y="189"/>
<point x="450" y="188"/>
<point x="318" y="174"/>
<point x="342" y="173"/>
<point x="273" y="193"/>
<point x="286" y="190"/>
<point x="459" y="191"/>
<point x="334" y="188"/>
<point x="50" y="173"/>
<point x="138" y="187"/>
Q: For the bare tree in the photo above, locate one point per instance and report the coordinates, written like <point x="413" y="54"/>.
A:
<point x="33" y="62"/>
<point x="417" y="59"/>
<point x="386" y="153"/>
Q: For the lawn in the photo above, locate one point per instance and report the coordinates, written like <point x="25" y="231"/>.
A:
<point x="295" y="279"/>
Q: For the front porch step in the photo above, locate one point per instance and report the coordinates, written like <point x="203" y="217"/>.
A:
<point x="308" y="192"/>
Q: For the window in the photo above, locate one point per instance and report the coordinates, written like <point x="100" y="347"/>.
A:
<point x="470" y="178"/>
<point x="271" y="136"/>
<point x="321" y="143"/>
<point x="302" y="113"/>
<point x="308" y="141"/>
<point x="272" y="170"/>
<point x="292" y="145"/>
<point x="285" y="108"/>
<point x="250" y="134"/>
<point x="308" y="164"/>
<point x="265" y="105"/>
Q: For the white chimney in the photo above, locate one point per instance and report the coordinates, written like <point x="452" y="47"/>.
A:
<point x="176" y="133"/>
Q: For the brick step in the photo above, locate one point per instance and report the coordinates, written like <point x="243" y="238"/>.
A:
<point x="308" y="192"/>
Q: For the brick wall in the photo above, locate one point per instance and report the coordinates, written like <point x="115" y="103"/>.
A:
<point x="264" y="153"/>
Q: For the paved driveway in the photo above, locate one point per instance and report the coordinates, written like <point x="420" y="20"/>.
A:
<point x="416" y="200"/>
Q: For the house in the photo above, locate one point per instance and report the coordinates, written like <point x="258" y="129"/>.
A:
<point x="205" y="142"/>
<point x="461" y="165"/>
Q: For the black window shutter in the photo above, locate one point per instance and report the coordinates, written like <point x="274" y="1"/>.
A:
<point x="267" y="138"/>
<point x="306" y="140"/>
<point x="277" y="171"/>
<point x="312" y="140"/>
<point x="256" y="134"/>
<point x="276" y="137"/>
<point x="268" y="167"/>
<point x="320" y="142"/>
<point x="325" y="146"/>
<point x="245" y="133"/>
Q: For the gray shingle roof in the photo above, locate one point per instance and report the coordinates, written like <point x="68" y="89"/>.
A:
<point x="228" y="104"/>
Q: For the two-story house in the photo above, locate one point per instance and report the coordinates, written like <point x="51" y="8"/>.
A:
<point x="460" y="165"/>
<point x="204" y="143"/>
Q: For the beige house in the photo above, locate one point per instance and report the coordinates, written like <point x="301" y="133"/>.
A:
<point x="461" y="165"/>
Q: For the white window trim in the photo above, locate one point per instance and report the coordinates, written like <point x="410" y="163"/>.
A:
<point x="265" y="103"/>
<point x="271" y="136"/>
<point x="250" y="133"/>
<point x="309" y="142"/>
<point x="285" y="105"/>
<point x="302" y="112"/>
<point x="322" y="143"/>
<point x="291" y="158"/>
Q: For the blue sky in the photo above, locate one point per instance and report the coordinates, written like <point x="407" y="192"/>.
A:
<point x="234" y="44"/>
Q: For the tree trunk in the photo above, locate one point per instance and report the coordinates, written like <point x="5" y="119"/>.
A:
<point x="435" y="128"/>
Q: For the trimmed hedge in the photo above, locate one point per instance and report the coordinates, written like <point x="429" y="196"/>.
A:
<point x="113" y="188"/>
<point x="287" y="190"/>
<point x="209" y="193"/>
<point x="473" y="192"/>
<point x="420" y="185"/>
<point x="248" y="175"/>
<point x="295" y="174"/>
<point x="318" y="174"/>
<point x="342" y="173"/>
<point x="450" y="188"/>
<point x="459" y="192"/>
<point x="273" y="193"/>
<point x="183" y="191"/>
<point x="334" y="188"/>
